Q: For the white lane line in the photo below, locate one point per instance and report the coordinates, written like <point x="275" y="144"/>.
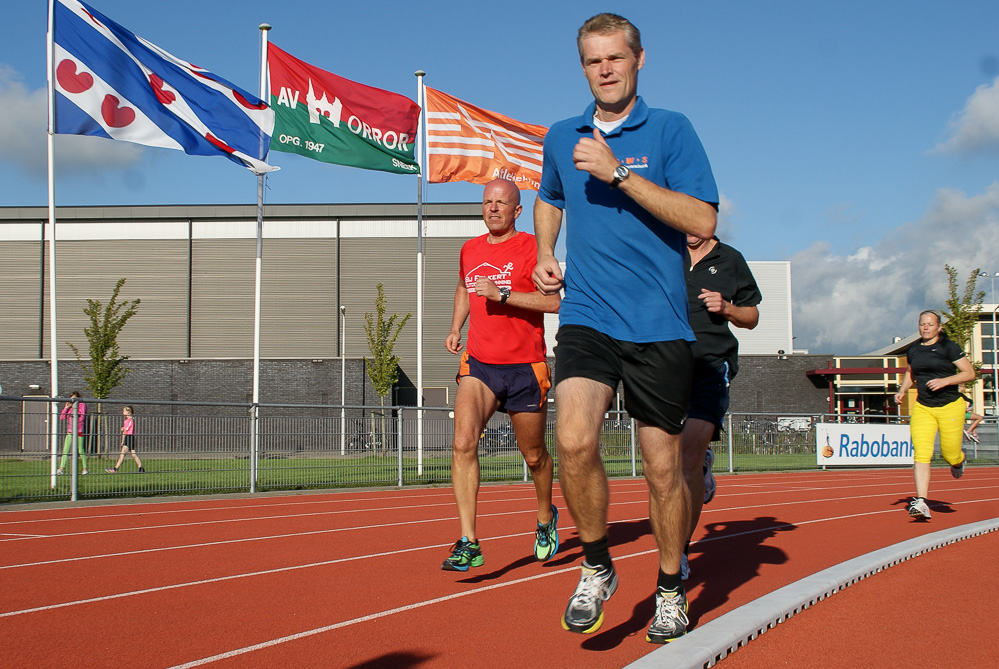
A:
<point x="324" y="563"/>
<point x="395" y="507"/>
<point x="149" y="508"/>
<point x="249" y="539"/>
<point x="232" y="577"/>
<point x="417" y="605"/>
<point x="706" y="511"/>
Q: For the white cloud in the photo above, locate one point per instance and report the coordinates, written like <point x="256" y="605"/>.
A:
<point x="976" y="127"/>
<point x="23" y="131"/>
<point x="857" y="303"/>
<point x="727" y="213"/>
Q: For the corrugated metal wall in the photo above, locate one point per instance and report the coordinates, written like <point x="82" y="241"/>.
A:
<point x="299" y="293"/>
<point x="155" y="272"/>
<point x="774" y="330"/>
<point x="20" y="277"/>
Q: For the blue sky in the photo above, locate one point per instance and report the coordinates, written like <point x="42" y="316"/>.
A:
<point x="858" y="140"/>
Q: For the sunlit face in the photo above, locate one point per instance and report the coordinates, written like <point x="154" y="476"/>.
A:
<point x="929" y="327"/>
<point x="611" y="68"/>
<point x="500" y="207"/>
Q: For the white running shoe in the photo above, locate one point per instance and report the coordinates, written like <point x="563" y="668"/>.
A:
<point x="670" y="621"/>
<point x="585" y="613"/>
<point x="918" y="508"/>
<point x="957" y="471"/>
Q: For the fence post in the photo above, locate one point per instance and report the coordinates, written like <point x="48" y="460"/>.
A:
<point x="254" y="415"/>
<point x="731" y="462"/>
<point x="398" y="442"/>
<point x="634" y="468"/>
<point x="74" y="444"/>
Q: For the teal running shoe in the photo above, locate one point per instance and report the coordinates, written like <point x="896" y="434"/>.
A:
<point x="464" y="554"/>
<point x="546" y="538"/>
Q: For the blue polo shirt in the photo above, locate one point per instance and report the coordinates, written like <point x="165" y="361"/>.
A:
<point x="624" y="271"/>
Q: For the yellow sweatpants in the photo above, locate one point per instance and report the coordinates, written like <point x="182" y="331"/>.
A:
<point x="949" y="420"/>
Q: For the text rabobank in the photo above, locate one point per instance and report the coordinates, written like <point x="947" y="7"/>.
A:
<point x="878" y="447"/>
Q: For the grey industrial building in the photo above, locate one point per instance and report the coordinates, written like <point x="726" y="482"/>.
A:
<point x="193" y="268"/>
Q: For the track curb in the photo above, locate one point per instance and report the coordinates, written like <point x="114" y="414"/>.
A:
<point x="706" y="645"/>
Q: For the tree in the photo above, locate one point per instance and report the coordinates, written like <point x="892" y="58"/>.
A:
<point x="106" y="369"/>
<point x="383" y="365"/>
<point x="961" y="313"/>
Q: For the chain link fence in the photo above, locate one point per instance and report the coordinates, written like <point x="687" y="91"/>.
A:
<point x="198" y="448"/>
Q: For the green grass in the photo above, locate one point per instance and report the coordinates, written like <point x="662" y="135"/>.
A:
<point x="27" y="479"/>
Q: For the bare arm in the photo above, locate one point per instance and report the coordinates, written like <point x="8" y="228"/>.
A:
<point x="677" y="210"/>
<point x="533" y="301"/>
<point x="458" y="317"/>
<point x="547" y="223"/>
<point x="904" y="388"/>
<point x="741" y="317"/>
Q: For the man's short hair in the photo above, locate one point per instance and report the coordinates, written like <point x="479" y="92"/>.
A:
<point x="606" y="23"/>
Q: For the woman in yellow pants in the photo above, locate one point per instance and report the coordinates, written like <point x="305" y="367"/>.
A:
<point x="938" y="367"/>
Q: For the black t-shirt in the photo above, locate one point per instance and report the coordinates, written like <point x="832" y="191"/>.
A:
<point x="934" y="362"/>
<point x="723" y="270"/>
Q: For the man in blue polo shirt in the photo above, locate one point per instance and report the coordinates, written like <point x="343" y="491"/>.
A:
<point x="632" y="181"/>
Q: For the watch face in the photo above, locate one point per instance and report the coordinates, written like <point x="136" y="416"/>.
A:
<point x="621" y="172"/>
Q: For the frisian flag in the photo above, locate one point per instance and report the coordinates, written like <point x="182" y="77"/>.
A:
<point x="468" y="143"/>
<point x="112" y="83"/>
<point x="323" y="116"/>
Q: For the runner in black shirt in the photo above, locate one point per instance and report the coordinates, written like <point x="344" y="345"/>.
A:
<point x="937" y="367"/>
<point x="721" y="289"/>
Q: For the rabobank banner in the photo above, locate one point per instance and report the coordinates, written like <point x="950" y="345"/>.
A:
<point x="869" y="444"/>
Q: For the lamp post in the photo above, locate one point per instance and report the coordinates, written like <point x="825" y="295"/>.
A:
<point x="343" y="379"/>
<point x="993" y="277"/>
<point x="995" y="366"/>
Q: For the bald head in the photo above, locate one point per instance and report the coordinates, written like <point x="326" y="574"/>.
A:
<point x="500" y="208"/>
<point x="503" y="188"/>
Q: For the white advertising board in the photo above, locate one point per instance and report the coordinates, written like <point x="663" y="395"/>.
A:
<point x="863" y="444"/>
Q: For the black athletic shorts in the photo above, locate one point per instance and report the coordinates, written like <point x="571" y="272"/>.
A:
<point x="518" y="387"/>
<point x="656" y="375"/>
<point x="129" y="442"/>
<point x="709" y="396"/>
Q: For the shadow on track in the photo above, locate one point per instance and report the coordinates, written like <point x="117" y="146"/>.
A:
<point x="728" y="556"/>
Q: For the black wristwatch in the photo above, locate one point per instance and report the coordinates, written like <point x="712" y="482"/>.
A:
<point x="504" y="292"/>
<point x="620" y="174"/>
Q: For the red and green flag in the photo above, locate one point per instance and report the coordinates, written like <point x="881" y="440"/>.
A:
<point x="325" y="117"/>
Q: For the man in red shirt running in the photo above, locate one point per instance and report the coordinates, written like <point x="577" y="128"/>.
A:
<point x="503" y="368"/>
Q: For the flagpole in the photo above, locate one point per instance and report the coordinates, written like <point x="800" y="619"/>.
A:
<point x="255" y="446"/>
<point x="53" y="339"/>
<point x="420" y="100"/>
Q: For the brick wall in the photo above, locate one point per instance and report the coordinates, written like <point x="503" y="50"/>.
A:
<point x="766" y="383"/>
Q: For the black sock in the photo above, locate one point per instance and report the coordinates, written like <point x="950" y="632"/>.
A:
<point x="597" y="553"/>
<point x="669" y="581"/>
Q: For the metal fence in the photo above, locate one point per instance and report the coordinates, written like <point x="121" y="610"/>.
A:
<point x="189" y="448"/>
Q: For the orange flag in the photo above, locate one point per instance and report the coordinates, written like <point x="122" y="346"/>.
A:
<point x="467" y="143"/>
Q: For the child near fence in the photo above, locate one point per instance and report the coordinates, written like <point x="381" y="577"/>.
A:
<point x="81" y="418"/>
<point x="127" y="442"/>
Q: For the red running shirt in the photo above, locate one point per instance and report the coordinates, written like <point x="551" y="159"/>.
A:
<point x="501" y="334"/>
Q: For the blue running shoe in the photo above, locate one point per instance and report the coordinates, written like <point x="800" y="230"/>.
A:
<point x="546" y="538"/>
<point x="710" y="486"/>
<point x="464" y="554"/>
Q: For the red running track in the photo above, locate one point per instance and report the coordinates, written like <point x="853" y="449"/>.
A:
<point x="353" y="579"/>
